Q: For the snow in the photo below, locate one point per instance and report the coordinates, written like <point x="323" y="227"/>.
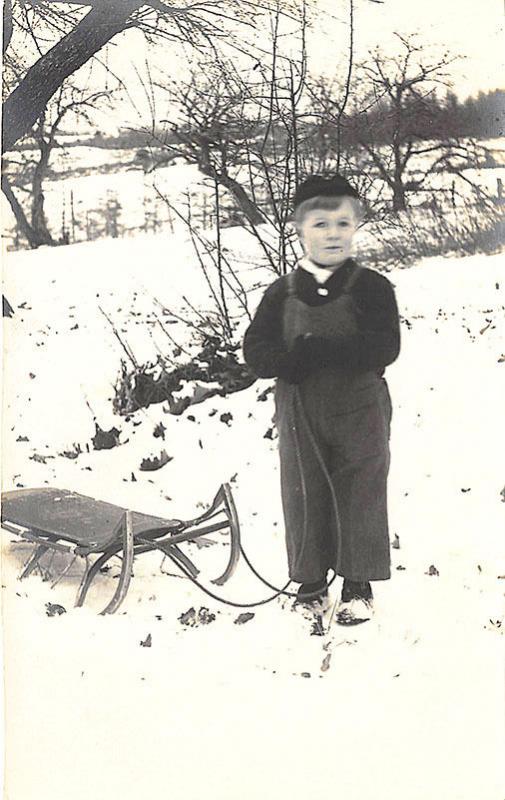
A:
<point x="411" y="705"/>
<point x="79" y="157"/>
<point x="139" y="198"/>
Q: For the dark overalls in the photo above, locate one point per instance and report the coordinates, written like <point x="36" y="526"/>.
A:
<point x="334" y="451"/>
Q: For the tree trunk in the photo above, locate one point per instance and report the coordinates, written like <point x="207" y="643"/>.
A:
<point x="7" y="25"/>
<point x="39" y="221"/>
<point x="34" y="237"/>
<point x="242" y="199"/>
<point x="399" y="199"/>
<point x="244" y="202"/>
<point x="25" y="104"/>
<point x="197" y="151"/>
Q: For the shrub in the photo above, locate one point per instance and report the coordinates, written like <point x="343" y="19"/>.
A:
<point x="429" y="231"/>
<point x="156" y="382"/>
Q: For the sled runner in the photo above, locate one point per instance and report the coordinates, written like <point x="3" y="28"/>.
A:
<point x="64" y="521"/>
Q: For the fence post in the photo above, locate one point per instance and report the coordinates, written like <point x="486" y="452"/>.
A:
<point x="64" y="239"/>
<point x="204" y="211"/>
<point x="72" y="213"/>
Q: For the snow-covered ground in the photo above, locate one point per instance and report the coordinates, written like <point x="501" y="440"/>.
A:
<point x="409" y="706"/>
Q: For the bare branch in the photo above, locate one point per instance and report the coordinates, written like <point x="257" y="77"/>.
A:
<point x="347" y="83"/>
<point x="25" y="104"/>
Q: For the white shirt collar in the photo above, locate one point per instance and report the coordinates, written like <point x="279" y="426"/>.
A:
<point x="320" y="274"/>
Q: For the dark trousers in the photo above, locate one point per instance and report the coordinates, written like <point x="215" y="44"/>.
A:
<point x="334" y="458"/>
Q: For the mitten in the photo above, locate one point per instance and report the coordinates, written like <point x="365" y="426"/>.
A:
<point x="302" y="359"/>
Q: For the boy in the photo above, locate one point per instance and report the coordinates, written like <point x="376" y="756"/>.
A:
<point x="327" y="331"/>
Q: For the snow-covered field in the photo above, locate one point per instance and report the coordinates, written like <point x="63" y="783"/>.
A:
<point x="409" y="706"/>
<point x="139" y="196"/>
<point x="83" y="191"/>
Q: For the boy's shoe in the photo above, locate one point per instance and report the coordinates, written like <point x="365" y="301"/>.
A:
<point x="312" y="593"/>
<point x="354" y="612"/>
<point x="356" y="590"/>
<point x="356" y="603"/>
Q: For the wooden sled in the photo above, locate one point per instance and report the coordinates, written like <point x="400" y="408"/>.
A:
<point x="59" y="520"/>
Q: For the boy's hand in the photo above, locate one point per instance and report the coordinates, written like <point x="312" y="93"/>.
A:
<point x="304" y="357"/>
<point x="312" y="349"/>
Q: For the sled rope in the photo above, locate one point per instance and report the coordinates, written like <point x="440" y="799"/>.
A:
<point x="256" y="573"/>
<point x="295" y="395"/>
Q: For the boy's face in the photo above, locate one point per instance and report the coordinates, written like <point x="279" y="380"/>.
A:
<point x="326" y="234"/>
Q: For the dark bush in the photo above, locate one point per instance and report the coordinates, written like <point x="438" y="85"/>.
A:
<point x="156" y="382"/>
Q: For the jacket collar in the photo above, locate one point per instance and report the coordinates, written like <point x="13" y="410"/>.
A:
<point x="321" y="274"/>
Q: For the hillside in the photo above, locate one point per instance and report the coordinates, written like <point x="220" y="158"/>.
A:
<point x="408" y="706"/>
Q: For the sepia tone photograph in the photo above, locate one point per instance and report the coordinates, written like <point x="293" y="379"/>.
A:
<point x="253" y="380"/>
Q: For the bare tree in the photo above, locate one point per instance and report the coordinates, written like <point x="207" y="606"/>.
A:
<point x="394" y="123"/>
<point x="212" y="131"/>
<point x="245" y="130"/>
<point x="28" y="168"/>
<point x="65" y="34"/>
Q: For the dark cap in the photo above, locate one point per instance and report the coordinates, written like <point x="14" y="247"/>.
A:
<point x="317" y="186"/>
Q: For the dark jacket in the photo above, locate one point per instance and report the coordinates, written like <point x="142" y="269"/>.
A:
<point x="375" y="344"/>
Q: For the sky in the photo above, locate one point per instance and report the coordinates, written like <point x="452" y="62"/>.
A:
<point x="469" y="29"/>
<point x="474" y="30"/>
